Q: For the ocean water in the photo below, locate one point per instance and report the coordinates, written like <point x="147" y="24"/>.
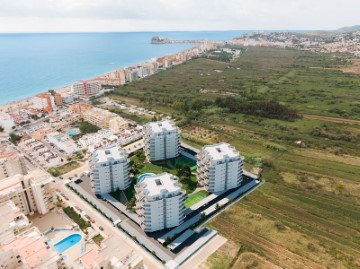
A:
<point x="32" y="63"/>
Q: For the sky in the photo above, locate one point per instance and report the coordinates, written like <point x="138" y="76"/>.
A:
<point x="175" y="15"/>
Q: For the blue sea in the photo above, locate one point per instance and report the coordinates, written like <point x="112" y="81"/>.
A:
<point x="33" y="63"/>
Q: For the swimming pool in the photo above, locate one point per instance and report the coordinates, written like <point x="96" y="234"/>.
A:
<point x="141" y="177"/>
<point x="73" y="132"/>
<point x="67" y="242"/>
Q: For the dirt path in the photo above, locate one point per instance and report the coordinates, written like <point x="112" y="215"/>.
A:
<point x="331" y="119"/>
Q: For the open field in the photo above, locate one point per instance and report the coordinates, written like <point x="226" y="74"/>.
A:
<point x="63" y="169"/>
<point x="307" y="213"/>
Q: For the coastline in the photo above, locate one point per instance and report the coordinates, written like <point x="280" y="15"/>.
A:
<point x="25" y="102"/>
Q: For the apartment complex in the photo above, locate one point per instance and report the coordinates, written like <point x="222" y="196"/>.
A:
<point x="160" y="202"/>
<point x="162" y="140"/>
<point x="29" y="249"/>
<point x="86" y="89"/>
<point x="105" y="119"/>
<point x="31" y="193"/>
<point x="11" y="162"/>
<point x="63" y="142"/>
<point x="44" y="101"/>
<point x="6" y="121"/>
<point x="219" y="167"/>
<point x="109" y="170"/>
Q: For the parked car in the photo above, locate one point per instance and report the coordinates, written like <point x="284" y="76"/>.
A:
<point x="101" y="228"/>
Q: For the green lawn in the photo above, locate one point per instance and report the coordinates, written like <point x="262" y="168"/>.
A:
<point x="195" y="197"/>
<point x="66" y="168"/>
<point x="182" y="161"/>
<point x="83" y="224"/>
<point x="98" y="238"/>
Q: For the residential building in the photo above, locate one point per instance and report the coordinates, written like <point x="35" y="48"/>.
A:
<point x="11" y="162"/>
<point x="63" y="141"/>
<point x="97" y="138"/>
<point x="29" y="249"/>
<point x="58" y="99"/>
<point x="80" y="108"/>
<point x="99" y="117"/>
<point x="118" y="124"/>
<point x="33" y="192"/>
<point x="111" y="256"/>
<point x="6" y="122"/>
<point x="160" y="202"/>
<point x="13" y="221"/>
<point x="109" y="170"/>
<point x="86" y="89"/>
<point x="219" y="167"/>
<point x="44" y="102"/>
<point x="162" y="140"/>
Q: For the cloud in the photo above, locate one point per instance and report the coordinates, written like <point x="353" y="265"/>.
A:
<point x="130" y="15"/>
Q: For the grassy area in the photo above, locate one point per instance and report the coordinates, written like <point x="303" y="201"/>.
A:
<point x="66" y="168"/>
<point x="88" y="128"/>
<point x="181" y="161"/>
<point x="83" y="224"/>
<point x="307" y="213"/>
<point x="195" y="197"/>
<point x="98" y="238"/>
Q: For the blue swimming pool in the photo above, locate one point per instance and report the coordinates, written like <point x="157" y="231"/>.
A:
<point x="141" y="177"/>
<point x="67" y="242"/>
<point x="73" y="132"/>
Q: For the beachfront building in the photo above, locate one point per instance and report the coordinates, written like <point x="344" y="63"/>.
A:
<point x="33" y="192"/>
<point x="11" y="162"/>
<point x="219" y="167"/>
<point x="109" y="170"/>
<point x="159" y="202"/>
<point x="63" y="141"/>
<point x="13" y="221"/>
<point x="86" y="89"/>
<point x="162" y="140"/>
<point x="29" y="249"/>
<point x="44" y="102"/>
<point x="6" y="122"/>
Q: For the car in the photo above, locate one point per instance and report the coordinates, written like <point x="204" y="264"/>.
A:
<point x="61" y="177"/>
<point x="87" y="216"/>
<point x="101" y="228"/>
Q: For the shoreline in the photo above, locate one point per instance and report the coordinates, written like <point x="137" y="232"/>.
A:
<point x="26" y="101"/>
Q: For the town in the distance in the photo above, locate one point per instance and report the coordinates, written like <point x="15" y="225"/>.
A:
<point x="82" y="187"/>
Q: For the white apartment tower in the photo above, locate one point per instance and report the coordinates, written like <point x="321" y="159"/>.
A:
<point x="162" y="140"/>
<point x="220" y="167"/>
<point x="109" y="170"/>
<point x="160" y="202"/>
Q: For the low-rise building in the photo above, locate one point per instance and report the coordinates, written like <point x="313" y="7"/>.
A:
<point x="6" y="122"/>
<point x="219" y="167"/>
<point x="31" y="193"/>
<point x="11" y="162"/>
<point x="109" y="170"/>
<point x="13" y="221"/>
<point x="63" y="142"/>
<point x="160" y="202"/>
<point x="102" y="118"/>
<point x="29" y="249"/>
<point x="118" y="124"/>
<point x="44" y="102"/>
<point x="162" y="140"/>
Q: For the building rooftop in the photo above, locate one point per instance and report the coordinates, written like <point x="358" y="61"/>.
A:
<point x="162" y="126"/>
<point x="114" y="152"/>
<point x="221" y="151"/>
<point x="154" y="185"/>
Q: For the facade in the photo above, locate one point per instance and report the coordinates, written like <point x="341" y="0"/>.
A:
<point x="11" y="162"/>
<point x="58" y="99"/>
<point x="219" y="167"/>
<point x="80" y="108"/>
<point x="63" y="142"/>
<point x="29" y="249"/>
<point x="109" y="170"/>
<point x="86" y="89"/>
<point x="99" y="117"/>
<point x="6" y="122"/>
<point x="31" y="193"/>
<point x="44" y="101"/>
<point x="162" y="140"/>
<point x="160" y="202"/>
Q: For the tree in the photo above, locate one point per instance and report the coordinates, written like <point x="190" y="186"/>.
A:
<point x="14" y="138"/>
<point x="1" y="129"/>
<point x="186" y="171"/>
